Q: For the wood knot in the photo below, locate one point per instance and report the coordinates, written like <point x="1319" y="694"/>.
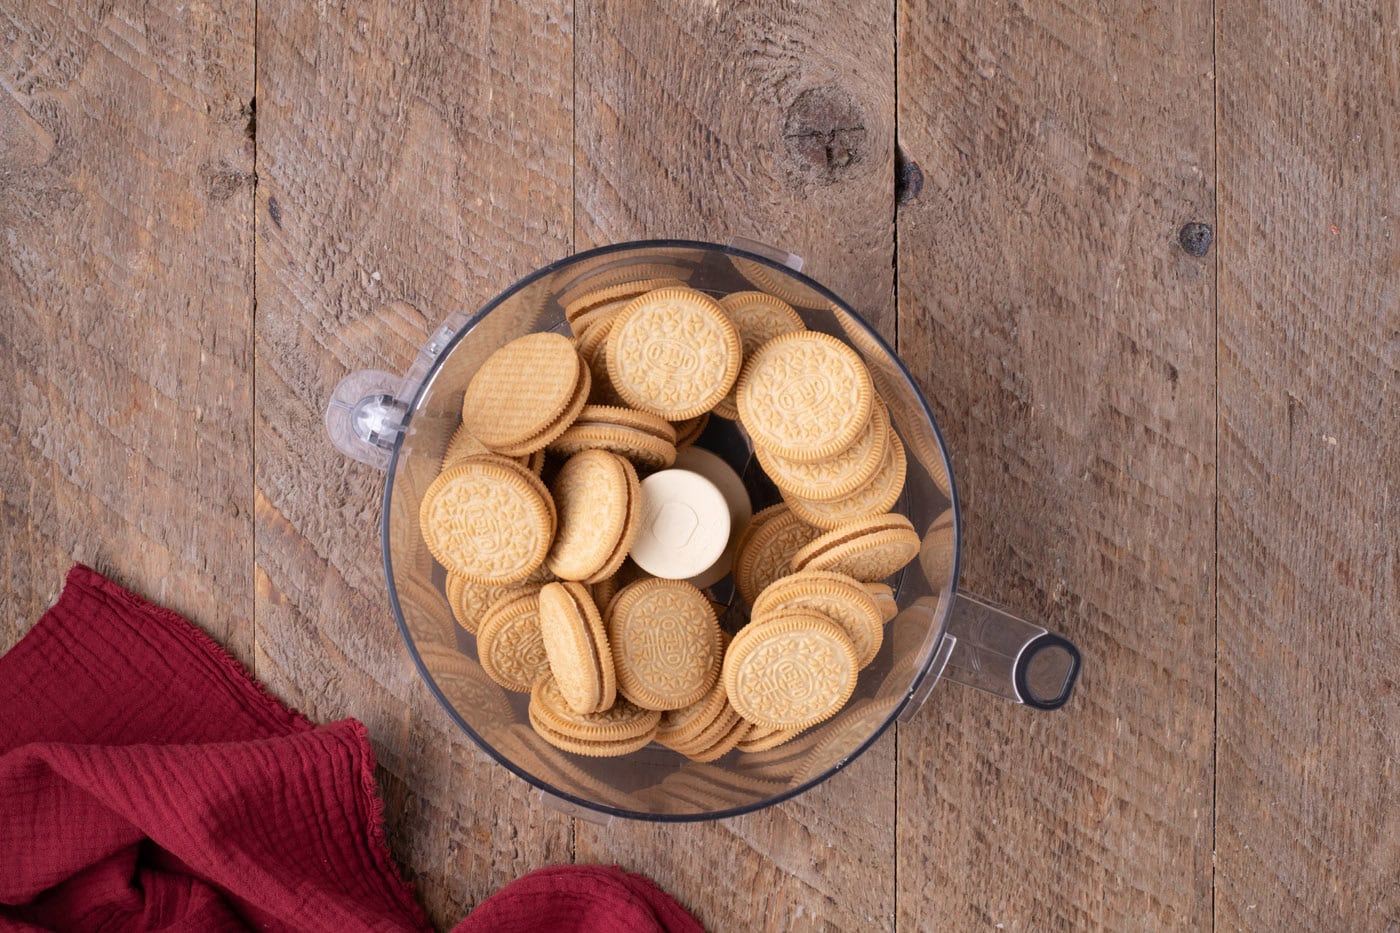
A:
<point x="1196" y="238"/>
<point x="222" y="182"/>
<point x="908" y="177"/>
<point x="824" y="129"/>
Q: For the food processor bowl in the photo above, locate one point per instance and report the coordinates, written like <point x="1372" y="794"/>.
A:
<point x="402" y="423"/>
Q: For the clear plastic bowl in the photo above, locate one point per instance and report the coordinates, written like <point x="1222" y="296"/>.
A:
<point x="402" y="423"/>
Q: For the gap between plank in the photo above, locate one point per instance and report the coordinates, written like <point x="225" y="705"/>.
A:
<point x="894" y="264"/>
<point x="1215" y="507"/>
<point x="573" y="247"/>
<point x="253" y="354"/>
<point x="573" y="131"/>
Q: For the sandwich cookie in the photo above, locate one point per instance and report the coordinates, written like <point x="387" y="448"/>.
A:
<point x="576" y="645"/>
<point x="525" y="394"/>
<point x="598" y="499"/>
<point x="868" y="549"/>
<point x="488" y="520"/>
<point x="673" y="352"/>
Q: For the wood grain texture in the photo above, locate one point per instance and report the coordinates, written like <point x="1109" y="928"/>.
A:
<point x="774" y="122"/>
<point x="126" y="307"/>
<point x="770" y="121"/>
<point x="1308" y="804"/>
<point x="412" y="162"/>
<point x="1065" y="342"/>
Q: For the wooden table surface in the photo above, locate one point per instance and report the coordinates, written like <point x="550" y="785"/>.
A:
<point x="211" y="211"/>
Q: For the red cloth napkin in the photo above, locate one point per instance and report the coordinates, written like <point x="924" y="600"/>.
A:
<point x="147" y="782"/>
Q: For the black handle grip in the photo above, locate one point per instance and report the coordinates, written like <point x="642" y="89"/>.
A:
<point x="1031" y="684"/>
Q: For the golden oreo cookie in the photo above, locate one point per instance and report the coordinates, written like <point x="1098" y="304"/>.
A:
<point x="576" y="645"/>
<point x="603" y="296"/>
<point x="592" y="347"/>
<point x="487" y="520"/>
<point x="461" y="444"/>
<point x="680" y="727"/>
<point x="839" y="475"/>
<point x="884" y="599"/>
<point x="641" y="447"/>
<point x="470" y="601"/>
<point x="585" y="322"/>
<point x="647" y="440"/>
<point x="791" y="672"/>
<point x="714" y="731"/>
<point x="509" y="645"/>
<point x="620" y="416"/>
<point x="766" y="549"/>
<point x="868" y="549"/>
<point x="665" y="643"/>
<point x="689" y="430"/>
<point x="622" y="720"/>
<point x="874" y="498"/>
<point x="840" y="598"/>
<point x="673" y="352"/>
<point x="593" y="748"/>
<point x="582" y="391"/>
<point x="603" y="592"/>
<point x="724" y="744"/>
<point x="704" y="730"/>
<point x="706" y="733"/>
<point x="599" y="501"/>
<point x="805" y="396"/>
<point x="758" y="317"/>
<point x="520" y="390"/>
<point x="607" y="276"/>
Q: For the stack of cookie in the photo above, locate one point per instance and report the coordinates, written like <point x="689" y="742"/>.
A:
<point x="706" y="729"/>
<point x="649" y="440"/>
<point x="614" y="659"/>
<point x="608" y="679"/>
<point x="819" y="430"/>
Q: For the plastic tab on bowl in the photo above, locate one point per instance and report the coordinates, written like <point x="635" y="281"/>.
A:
<point x="780" y="256"/>
<point x="921" y="690"/>
<point x="364" y="416"/>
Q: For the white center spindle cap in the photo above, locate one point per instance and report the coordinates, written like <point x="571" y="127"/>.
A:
<point x="716" y="470"/>
<point x="685" y="525"/>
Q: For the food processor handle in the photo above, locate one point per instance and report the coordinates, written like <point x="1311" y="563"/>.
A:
<point x="365" y="414"/>
<point x="1004" y="655"/>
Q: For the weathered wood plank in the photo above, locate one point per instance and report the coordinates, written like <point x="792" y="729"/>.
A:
<point x="1066" y="344"/>
<point x="774" y="122"/>
<point x="1308" y="816"/>
<point x="126" y="195"/>
<point x="409" y="158"/>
